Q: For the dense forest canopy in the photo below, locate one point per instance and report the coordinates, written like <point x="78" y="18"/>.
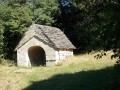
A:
<point x="89" y="24"/>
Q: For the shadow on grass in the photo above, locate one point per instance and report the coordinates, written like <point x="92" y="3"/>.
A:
<point x="104" y="79"/>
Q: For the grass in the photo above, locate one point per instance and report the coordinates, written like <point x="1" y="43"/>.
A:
<point x="81" y="72"/>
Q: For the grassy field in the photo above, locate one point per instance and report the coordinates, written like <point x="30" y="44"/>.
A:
<point x="81" y="72"/>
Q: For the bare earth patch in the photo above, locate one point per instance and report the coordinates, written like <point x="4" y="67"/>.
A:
<point x="6" y="84"/>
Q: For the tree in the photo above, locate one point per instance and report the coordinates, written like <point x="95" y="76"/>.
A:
<point x="2" y="8"/>
<point x="17" y="15"/>
<point x="43" y="11"/>
<point x="102" y="19"/>
<point x="15" y="23"/>
<point x="93" y="24"/>
<point x="69" y="20"/>
<point x="1" y="41"/>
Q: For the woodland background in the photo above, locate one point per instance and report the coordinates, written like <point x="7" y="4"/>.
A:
<point x="89" y="24"/>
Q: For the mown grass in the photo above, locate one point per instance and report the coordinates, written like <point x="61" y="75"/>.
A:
<point x="81" y="72"/>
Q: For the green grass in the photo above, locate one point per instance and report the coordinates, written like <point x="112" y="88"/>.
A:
<point x="81" y="72"/>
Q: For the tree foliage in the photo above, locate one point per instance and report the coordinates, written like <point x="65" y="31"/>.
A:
<point x="92" y="24"/>
<point x="43" y="10"/>
<point x="89" y="24"/>
<point x="17" y="15"/>
<point x="102" y="19"/>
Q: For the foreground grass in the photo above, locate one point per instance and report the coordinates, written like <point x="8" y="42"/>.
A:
<point x="81" y="72"/>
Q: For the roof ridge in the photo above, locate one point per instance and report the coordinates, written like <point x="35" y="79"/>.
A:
<point x="46" y="35"/>
<point x="51" y="35"/>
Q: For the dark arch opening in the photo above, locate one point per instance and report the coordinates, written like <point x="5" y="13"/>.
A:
<point x="37" y="56"/>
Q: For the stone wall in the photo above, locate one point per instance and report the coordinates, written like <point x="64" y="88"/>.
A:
<point x="62" y="54"/>
<point x="22" y="52"/>
<point x="52" y="56"/>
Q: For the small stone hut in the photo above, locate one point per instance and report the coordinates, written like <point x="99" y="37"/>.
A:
<point x="43" y="45"/>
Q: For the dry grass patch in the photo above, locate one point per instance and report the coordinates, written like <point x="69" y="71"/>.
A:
<point x="88" y="58"/>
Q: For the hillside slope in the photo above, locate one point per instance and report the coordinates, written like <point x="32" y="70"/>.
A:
<point x="81" y="72"/>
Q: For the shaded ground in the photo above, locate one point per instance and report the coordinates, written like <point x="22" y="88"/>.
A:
<point x="104" y="79"/>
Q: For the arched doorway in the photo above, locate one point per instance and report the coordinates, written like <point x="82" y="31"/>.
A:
<point x="37" y="56"/>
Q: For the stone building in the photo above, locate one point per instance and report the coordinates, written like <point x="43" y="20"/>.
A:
<point x="43" y="45"/>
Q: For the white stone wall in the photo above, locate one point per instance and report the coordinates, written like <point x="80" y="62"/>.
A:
<point x="21" y="58"/>
<point x="22" y="52"/>
<point x="52" y="56"/>
<point x="62" y="54"/>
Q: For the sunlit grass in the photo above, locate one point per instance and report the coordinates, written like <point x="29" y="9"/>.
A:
<point x="17" y="78"/>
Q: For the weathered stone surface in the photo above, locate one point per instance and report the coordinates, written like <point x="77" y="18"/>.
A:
<point x="43" y="42"/>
